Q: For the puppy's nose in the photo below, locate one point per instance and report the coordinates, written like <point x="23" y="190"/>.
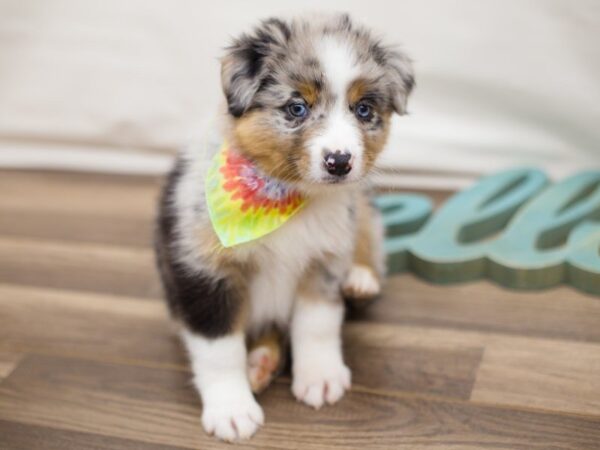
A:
<point x="338" y="163"/>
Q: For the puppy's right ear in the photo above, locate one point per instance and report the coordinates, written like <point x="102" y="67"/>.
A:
<point x="246" y="63"/>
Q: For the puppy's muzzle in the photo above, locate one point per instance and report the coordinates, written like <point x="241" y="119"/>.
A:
<point x="338" y="163"/>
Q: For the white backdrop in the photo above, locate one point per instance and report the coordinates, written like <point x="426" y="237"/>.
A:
<point x="118" y="85"/>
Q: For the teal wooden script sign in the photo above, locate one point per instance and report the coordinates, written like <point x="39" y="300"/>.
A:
<point x="513" y="227"/>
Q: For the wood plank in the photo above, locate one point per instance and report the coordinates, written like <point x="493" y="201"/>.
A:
<point x="554" y="375"/>
<point x="89" y="267"/>
<point x="518" y="371"/>
<point x="61" y="206"/>
<point x="447" y="372"/>
<point x="66" y="192"/>
<point x="17" y="436"/>
<point x="138" y="403"/>
<point x="483" y="306"/>
<point x="78" y="324"/>
<point x="159" y="406"/>
<point x="386" y="358"/>
<point x="77" y="227"/>
<point x="85" y="324"/>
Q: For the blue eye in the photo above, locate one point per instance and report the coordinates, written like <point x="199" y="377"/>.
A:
<point x="363" y="111"/>
<point x="298" y="109"/>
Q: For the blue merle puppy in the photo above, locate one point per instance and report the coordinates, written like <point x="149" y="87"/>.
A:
<point x="309" y="103"/>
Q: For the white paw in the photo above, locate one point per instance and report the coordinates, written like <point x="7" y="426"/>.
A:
<point x="318" y="384"/>
<point x="232" y="421"/>
<point x="361" y="283"/>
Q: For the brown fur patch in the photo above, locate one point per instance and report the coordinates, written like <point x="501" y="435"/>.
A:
<point x="310" y="92"/>
<point x="357" y="91"/>
<point x="279" y="155"/>
<point x="375" y="141"/>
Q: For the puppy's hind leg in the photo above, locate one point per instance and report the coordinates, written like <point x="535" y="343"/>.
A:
<point x="266" y="357"/>
<point x="363" y="282"/>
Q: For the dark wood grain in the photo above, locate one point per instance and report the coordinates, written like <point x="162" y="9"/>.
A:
<point x="554" y="375"/>
<point x="159" y="406"/>
<point x="76" y="266"/>
<point x="522" y="371"/>
<point x="76" y="227"/>
<point x="445" y="372"/>
<point x="88" y="325"/>
<point x="81" y="193"/>
<point x="17" y="436"/>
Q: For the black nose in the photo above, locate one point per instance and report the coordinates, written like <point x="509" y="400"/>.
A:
<point x="338" y="163"/>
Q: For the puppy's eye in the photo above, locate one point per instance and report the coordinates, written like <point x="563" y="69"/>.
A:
<point x="363" y="111"/>
<point x="298" y="109"/>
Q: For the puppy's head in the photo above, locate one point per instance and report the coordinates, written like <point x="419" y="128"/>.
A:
<point x="310" y="101"/>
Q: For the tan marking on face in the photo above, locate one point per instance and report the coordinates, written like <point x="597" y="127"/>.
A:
<point x="309" y="92"/>
<point x="357" y="91"/>
<point x="375" y="141"/>
<point x="279" y="155"/>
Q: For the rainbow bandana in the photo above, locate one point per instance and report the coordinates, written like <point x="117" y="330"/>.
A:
<point x="243" y="203"/>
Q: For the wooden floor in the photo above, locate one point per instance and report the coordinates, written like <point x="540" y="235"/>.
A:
<point x="89" y="360"/>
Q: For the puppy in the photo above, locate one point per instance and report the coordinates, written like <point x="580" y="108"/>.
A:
<point x="308" y="111"/>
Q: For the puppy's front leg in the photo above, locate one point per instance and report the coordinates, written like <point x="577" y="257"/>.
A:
<point x="318" y="369"/>
<point x="230" y="411"/>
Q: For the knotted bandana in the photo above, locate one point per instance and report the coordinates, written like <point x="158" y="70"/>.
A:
<point x="244" y="204"/>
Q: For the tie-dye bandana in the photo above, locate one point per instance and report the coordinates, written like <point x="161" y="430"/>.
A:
<point x="244" y="204"/>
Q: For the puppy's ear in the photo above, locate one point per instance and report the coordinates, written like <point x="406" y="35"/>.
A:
<point x="246" y="63"/>
<point x="402" y="78"/>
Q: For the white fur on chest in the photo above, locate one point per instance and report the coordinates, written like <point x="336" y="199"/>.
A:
<point x="323" y="227"/>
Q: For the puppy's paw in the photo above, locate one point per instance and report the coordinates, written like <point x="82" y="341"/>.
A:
<point x="318" y="384"/>
<point x="232" y="421"/>
<point x="361" y="283"/>
<point x="263" y="362"/>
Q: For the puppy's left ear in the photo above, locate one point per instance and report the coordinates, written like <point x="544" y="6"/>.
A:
<point x="245" y="63"/>
<point x="402" y="78"/>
